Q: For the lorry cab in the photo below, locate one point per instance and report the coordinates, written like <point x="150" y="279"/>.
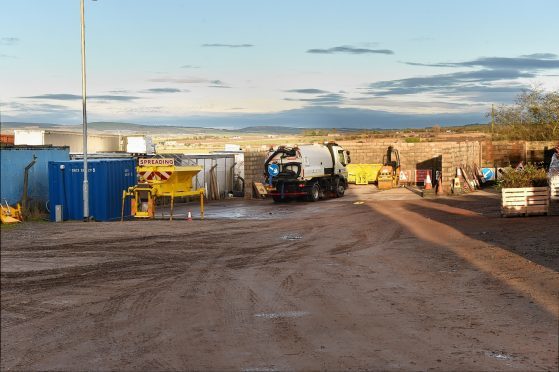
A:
<point x="342" y="160"/>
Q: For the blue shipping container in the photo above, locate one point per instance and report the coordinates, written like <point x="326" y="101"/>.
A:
<point x="107" y="179"/>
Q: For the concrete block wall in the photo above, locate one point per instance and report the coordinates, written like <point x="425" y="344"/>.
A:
<point x="458" y="154"/>
<point x="423" y="155"/>
<point x="254" y="170"/>
<point x="537" y="151"/>
<point x="502" y="153"/>
<point x="444" y="156"/>
<point x="505" y="153"/>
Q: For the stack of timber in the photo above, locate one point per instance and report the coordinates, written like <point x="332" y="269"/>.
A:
<point x="470" y="177"/>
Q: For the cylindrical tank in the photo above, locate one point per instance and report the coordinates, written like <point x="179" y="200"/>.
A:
<point x="316" y="160"/>
<point x="303" y="162"/>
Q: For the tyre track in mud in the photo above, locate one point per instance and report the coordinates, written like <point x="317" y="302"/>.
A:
<point x="230" y="258"/>
<point x="285" y="294"/>
<point x="133" y="300"/>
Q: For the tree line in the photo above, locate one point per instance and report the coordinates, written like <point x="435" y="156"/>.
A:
<point x="533" y="116"/>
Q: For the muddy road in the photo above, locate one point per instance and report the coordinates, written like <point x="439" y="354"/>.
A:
<point x="393" y="283"/>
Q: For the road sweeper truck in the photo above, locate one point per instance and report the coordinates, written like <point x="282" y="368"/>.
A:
<point x="308" y="172"/>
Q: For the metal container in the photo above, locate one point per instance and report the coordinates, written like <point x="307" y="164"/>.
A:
<point x="13" y="162"/>
<point x="7" y="139"/>
<point x="107" y="179"/>
<point x="363" y="174"/>
<point x="230" y="166"/>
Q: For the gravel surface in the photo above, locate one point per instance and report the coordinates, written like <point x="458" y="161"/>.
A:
<point x="382" y="281"/>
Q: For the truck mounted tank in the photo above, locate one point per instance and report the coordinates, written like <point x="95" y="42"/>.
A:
<point x="306" y="171"/>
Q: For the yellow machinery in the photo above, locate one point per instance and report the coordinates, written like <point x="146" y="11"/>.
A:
<point x="363" y="174"/>
<point x="389" y="174"/>
<point x="10" y="214"/>
<point x="386" y="178"/>
<point x="159" y="181"/>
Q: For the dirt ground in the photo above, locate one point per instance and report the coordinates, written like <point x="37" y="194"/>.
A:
<point x="373" y="280"/>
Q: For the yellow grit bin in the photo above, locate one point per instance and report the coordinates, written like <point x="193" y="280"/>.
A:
<point x="160" y="177"/>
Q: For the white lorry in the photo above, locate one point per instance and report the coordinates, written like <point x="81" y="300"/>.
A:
<point x="306" y="171"/>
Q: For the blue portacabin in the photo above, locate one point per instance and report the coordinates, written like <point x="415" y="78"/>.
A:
<point x="107" y="179"/>
<point x="13" y="161"/>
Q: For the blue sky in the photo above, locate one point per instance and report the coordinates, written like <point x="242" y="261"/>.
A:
<point x="298" y="63"/>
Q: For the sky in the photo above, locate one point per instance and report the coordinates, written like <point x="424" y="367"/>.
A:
<point x="351" y="63"/>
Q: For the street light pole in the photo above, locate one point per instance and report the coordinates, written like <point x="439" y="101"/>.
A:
<point x="84" y="110"/>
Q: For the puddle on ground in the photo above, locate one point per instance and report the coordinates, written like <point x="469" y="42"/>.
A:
<point x="285" y="314"/>
<point x="292" y="237"/>
<point x="247" y="213"/>
<point x="497" y="355"/>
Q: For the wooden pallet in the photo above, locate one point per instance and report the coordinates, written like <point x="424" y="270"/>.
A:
<point x="525" y="201"/>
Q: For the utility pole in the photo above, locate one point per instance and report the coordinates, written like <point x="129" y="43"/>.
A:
<point x="84" y="111"/>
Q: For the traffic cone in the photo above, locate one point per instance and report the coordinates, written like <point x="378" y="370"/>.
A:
<point x="189" y="216"/>
<point x="427" y="183"/>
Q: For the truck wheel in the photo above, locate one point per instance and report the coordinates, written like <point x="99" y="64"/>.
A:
<point x="340" y="188"/>
<point x="314" y="194"/>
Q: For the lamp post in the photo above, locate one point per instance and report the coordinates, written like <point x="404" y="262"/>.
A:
<point x="84" y="111"/>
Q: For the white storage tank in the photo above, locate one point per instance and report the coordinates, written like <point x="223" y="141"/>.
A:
<point x="39" y="137"/>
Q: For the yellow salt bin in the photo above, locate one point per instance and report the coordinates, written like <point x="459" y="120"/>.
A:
<point x="170" y="180"/>
<point x="161" y="180"/>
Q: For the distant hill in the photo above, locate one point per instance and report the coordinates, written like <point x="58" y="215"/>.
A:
<point x="116" y="127"/>
<point x="129" y="128"/>
<point x="272" y="130"/>
<point x="18" y="125"/>
<point x="177" y="130"/>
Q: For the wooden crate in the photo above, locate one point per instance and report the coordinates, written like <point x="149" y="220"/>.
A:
<point x="525" y="201"/>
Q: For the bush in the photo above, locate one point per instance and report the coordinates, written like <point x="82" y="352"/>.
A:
<point x="529" y="176"/>
<point x="412" y="139"/>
